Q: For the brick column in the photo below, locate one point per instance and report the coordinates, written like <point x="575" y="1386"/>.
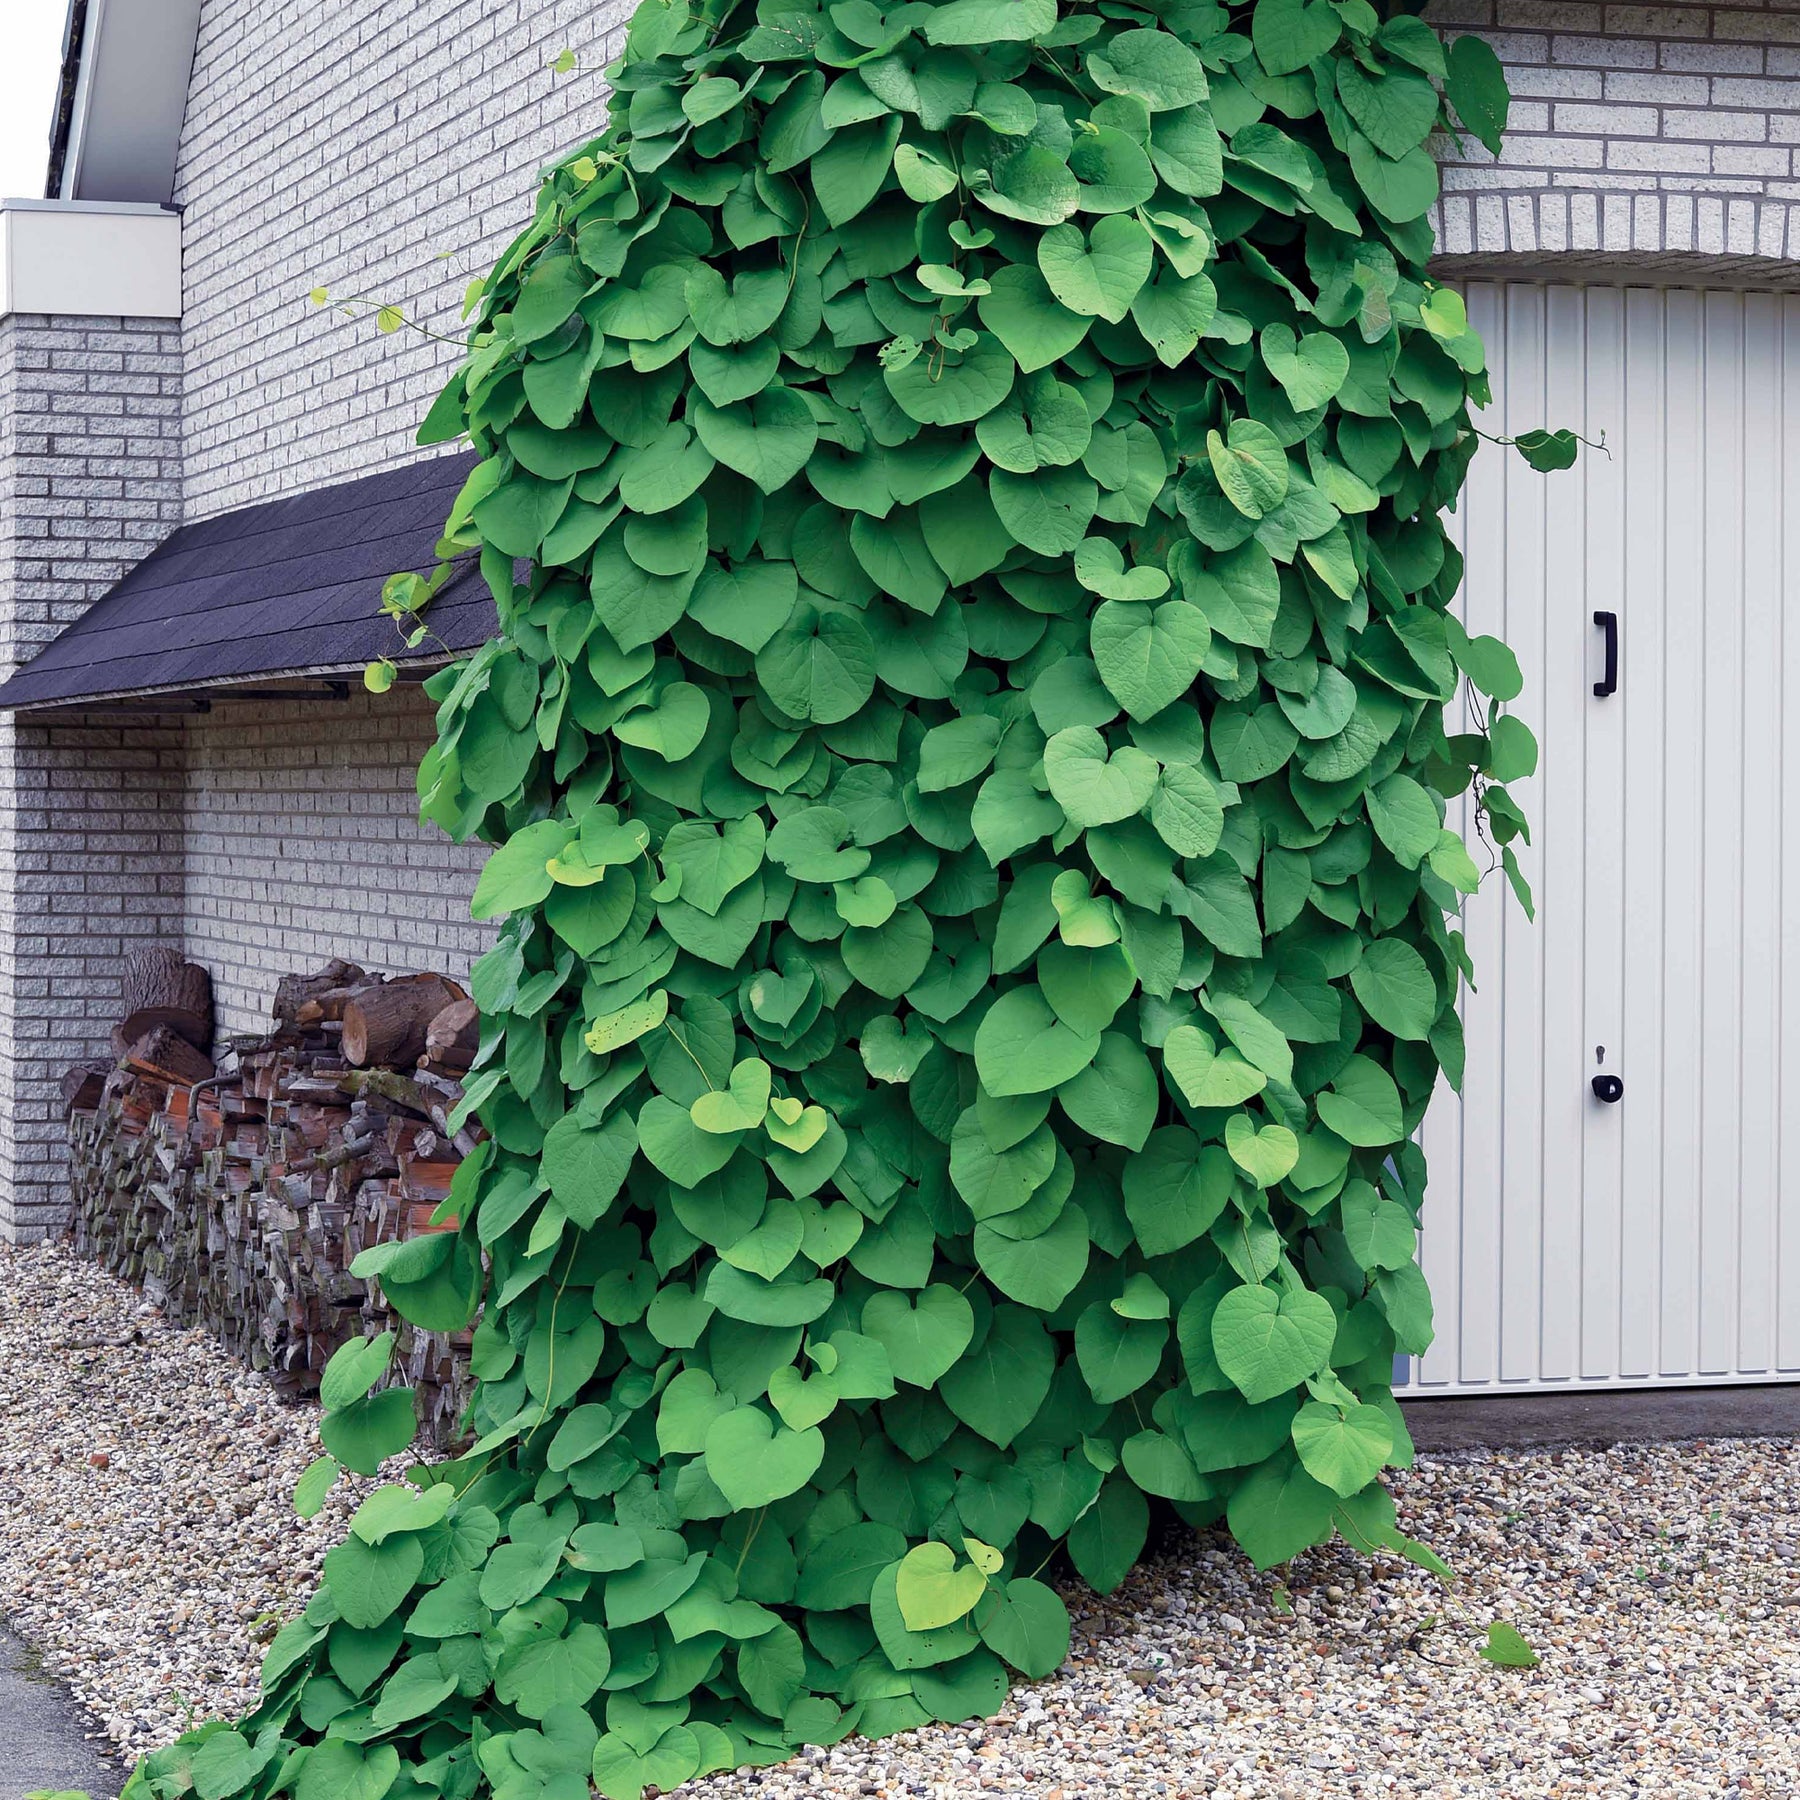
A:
<point x="90" y="483"/>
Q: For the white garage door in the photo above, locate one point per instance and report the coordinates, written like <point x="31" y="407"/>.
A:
<point x="1657" y="1240"/>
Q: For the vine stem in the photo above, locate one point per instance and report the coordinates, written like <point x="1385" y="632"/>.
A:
<point x="386" y="307"/>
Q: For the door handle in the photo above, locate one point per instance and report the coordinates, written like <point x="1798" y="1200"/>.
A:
<point x="1609" y="629"/>
<point x="1608" y="1088"/>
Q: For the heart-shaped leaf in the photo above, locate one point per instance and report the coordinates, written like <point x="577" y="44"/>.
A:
<point x="1396" y="111"/>
<point x="1085" y="920"/>
<point x="1290" y="34"/>
<point x="1028" y="319"/>
<point x="741" y="1105"/>
<point x="1396" y="988"/>
<point x="867" y="901"/>
<point x="1022" y="1047"/>
<point x="1310" y="369"/>
<point x="1092" y="786"/>
<point x="1251" y="466"/>
<point x="1174" y="312"/>
<point x="753" y="1462"/>
<point x="1506" y="1649"/>
<point x="923" y="1335"/>
<point x="1343" y="1447"/>
<point x="794" y="1125"/>
<point x="1099" y="273"/>
<point x="934" y="1589"/>
<point x="1362" y="1105"/>
<point x="622" y="1769"/>
<point x="1100" y="568"/>
<point x="1149" y="656"/>
<point x="803" y="1401"/>
<point x="1266" y="1156"/>
<point x="829" y="1233"/>
<point x="1025" y="1623"/>
<point x="892" y="1051"/>
<point x="1380" y="1232"/>
<point x="1268" y="1343"/>
<point x="766" y="438"/>
<point x="1204" y="1076"/>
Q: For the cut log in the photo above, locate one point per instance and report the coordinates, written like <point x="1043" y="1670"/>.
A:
<point x="161" y="988"/>
<point x="293" y="991"/>
<point x="452" y="1038"/>
<point x="328" y="1006"/>
<point x="163" y="1051"/>
<point x="385" y="1027"/>
<point x="83" y="1086"/>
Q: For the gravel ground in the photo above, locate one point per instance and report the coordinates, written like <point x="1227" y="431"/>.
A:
<point x="1660" y="1584"/>
<point x="148" y="1543"/>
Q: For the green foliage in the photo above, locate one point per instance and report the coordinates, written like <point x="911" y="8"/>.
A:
<point x="967" y="770"/>
<point x="1506" y="1648"/>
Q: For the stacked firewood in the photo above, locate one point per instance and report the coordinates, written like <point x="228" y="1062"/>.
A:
<point x="237" y="1195"/>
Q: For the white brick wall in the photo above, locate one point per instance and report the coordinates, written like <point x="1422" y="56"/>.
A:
<point x="301" y="841"/>
<point x="89" y="482"/>
<point x="1644" y="131"/>
<point x="389" y="151"/>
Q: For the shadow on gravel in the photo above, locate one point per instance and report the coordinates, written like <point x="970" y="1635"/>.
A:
<point x="45" y="1744"/>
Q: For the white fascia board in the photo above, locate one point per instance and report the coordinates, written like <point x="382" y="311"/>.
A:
<point x="83" y="259"/>
<point x="130" y="95"/>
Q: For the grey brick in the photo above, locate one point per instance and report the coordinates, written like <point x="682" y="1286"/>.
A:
<point x="1666" y="90"/>
<point x="1716" y="126"/>
<point x="1604" y="52"/>
<point x="1554" y="84"/>
<point x="1682" y="159"/>
<point x="1607" y="121"/>
<point x="1716" y="59"/>
<point x="1757" y="27"/>
<point x="1745" y="159"/>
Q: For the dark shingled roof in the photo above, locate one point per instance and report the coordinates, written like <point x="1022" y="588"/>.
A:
<point x="282" y="589"/>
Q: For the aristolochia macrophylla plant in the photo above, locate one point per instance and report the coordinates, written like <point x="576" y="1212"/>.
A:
<point x="966" y="763"/>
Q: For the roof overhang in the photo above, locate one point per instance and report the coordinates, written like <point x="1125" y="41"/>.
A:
<point x="269" y="602"/>
<point x="126" y="65"/>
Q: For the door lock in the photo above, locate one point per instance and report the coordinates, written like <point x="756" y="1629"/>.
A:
<point x="1607" y="1088"/>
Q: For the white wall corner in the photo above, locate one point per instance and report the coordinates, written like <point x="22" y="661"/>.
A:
<point x="89" y="259"/>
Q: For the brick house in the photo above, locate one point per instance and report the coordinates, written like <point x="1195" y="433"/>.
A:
<point x="190" y="758"/>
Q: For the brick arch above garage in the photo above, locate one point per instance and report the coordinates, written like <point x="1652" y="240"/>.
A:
<point x="1737" y="240"/>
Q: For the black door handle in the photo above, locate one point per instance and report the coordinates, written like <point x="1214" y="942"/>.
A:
<point x="1609" y="682"/>
<point x="1608" y="1088"/>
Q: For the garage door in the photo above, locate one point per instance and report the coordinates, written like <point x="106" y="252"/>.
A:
<point x="1656" y="1240"/>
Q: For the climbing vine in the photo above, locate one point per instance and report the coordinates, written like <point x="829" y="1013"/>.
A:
<point x="966" y="762"/>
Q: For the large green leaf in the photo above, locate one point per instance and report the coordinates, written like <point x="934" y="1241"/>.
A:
<point x="1396" y="988"/>
<point x="997" y="1388"/>
<point x="1343" y="1448"/>
<point x="753" y="1461"/>
<point x="767" y="437"/>
<point x="1269" y="1342"/>
<point x="1098" y="272"/>
<point x="1023" y="1048"/>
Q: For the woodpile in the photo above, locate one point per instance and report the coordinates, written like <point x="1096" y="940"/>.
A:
<point x="238" y="1199"/>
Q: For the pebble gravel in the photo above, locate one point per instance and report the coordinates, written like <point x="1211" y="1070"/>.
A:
<point x="148" y="1549"/>
<point x="148" y="1543"/>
